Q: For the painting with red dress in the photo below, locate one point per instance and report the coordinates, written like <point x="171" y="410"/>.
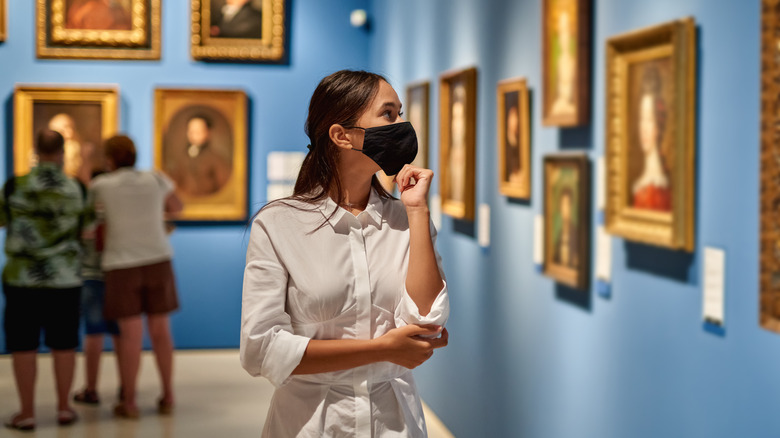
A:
<point x="649" y="154"/>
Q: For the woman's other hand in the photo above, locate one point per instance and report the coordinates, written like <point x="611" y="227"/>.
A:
<point x="407" y="346"/>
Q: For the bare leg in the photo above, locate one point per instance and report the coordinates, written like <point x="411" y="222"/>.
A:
<point x="131" y="334"/>
<point x="162" y="344"/>
<point x="25" y="371"/>
<point x="64" y="367"/>
<point x="93" y="348"/>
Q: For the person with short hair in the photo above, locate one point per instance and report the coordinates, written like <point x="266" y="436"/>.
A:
<point x="43" y="212"/>
<point x="137" y="265"/>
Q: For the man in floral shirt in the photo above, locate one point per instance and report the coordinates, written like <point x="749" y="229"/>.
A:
<point x="44" y="212"/>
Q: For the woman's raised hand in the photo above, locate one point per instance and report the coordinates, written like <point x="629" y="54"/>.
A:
<point x="407" y="347"/>
<point x="414" y="183"/>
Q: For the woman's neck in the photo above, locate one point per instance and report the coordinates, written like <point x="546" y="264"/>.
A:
<point x="355" y="187"/>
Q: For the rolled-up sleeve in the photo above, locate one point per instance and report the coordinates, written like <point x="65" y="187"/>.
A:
<point x="269" y="348"/>
<point x="407" y="311"/>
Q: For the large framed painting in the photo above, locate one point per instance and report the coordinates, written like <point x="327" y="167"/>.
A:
<point x="566" y="47"/>
<point x="99" y="29"/>
<point x="200" y="142"/>
<point x="457" y="124"/>
<point x="84" y="116"/>
<point x="239" y="30"/>
<point x="514" y="138"/>
<point x="567" y="219"/>
<point x="651" y="145"/>
<point x="770" y="167"/>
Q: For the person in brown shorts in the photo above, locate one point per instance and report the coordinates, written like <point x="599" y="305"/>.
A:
<point x="137" y="264"/>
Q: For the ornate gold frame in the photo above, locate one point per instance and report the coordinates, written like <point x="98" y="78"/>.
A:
<point x="582" y="69"/>
<point x="451" y="207"/>
<point x="770" y="168"/>
<point x="230" y="204"/>
<point x="676" y="40"/>
<point x="271" y="47"/>
<point x="522" y="189"/>
<point x="25" y="96"/>
<point x="422" y="142"/>
<point x="574" y="277"/>
<point x="56" y="41"/>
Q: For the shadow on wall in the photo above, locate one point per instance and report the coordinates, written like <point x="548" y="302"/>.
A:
<point x="674" y="265"/>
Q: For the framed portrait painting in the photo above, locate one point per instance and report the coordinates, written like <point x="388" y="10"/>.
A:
<point x="566" y="47"/>
<point x="650" y="151"/>
<point x="458" y="114"/>
<point x="84" y="116"/>
<point x="770" y="167"/>
<point x="567" y="219"/>
<point x="239" y="30"/>
<point x="99" y="29"/>
<point x="416" y="109"/>
<point x="200" y="142"/>
<point x="514" y="139"/>
<point x="3" y="20"/>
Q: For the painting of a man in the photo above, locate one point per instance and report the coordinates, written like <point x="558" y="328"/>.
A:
<point x="236" y="19"/>
<point x="201" y="165"/>
<point x="514" y="165"/>
<point x="565" y="240"/>
<point x="98" y="15"/>
<point x="457" y="158"/>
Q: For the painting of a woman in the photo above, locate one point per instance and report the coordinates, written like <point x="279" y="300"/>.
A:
<point x="651" y="190"/>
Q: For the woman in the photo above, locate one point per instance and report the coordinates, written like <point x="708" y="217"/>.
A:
<point x="651" y="188"/>
<point x="137" y="264"/>
<point x="343" y="292"/>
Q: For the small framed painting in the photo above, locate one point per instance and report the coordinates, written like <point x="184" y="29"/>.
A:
<point x="566" y="50"/>
<point x="239" y="30"/>
<point x="200" y="142"/>
<point x="85" y="116"/>
<point x="99" y="29"/>
<point x="416" y="109"/>
<point x="567" y="219"/>
<point x="458" y="115"/>
<point x="514" y="139"/>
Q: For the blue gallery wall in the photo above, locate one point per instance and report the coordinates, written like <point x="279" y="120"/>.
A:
<point x="208" y="260"/>
<point x="530" y="359"/>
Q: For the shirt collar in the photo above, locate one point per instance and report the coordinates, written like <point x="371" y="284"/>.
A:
<point x="373" y="209"/>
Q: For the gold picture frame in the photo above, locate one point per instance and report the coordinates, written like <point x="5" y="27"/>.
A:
<point x="567" y="219"/>
<point x="3" y="20"/>
<point x="200" y="142"/>
<point x="457" y="136"/>
<point x="566" y="49"/>
<point x="128" y="29"/>
<point x="651" y="145"/>
<point x="514" y="138"/>
<point x="769" y="315"/>
<point x="241" y="39"/>
<point x="85" y="116"/>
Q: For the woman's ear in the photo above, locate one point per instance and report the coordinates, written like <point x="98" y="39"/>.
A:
<point x="340" y="137"/>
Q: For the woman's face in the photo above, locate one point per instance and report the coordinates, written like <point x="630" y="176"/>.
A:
<point x="385" y="109"/>
<point x="648" y="128"/>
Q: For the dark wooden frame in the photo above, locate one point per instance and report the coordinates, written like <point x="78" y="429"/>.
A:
<point x="579" y="277"/>
<point x="582" y="81"/>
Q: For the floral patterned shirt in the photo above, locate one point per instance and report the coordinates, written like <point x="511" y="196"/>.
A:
<point x="43" y="214"/>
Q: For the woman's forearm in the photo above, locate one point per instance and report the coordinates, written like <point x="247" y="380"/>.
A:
<point x="423" y="280"/>
<point x="322" y="356"/>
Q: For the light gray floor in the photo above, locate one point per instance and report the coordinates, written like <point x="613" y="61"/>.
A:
<point x="215" y="398"/>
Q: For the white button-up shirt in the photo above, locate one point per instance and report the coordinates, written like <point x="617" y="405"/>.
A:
<point x="313" y="275"/>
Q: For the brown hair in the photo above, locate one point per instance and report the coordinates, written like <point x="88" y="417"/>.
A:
<point x="49" y="142"/>
<point x="121" y="150"/>
<point x="340" y="98"/>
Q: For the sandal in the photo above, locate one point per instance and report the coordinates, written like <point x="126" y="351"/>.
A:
<point x="66" y="417"/>
<point x="121" y="411"/>
<point x="164" y="407"/>
<point x="25" y="424"/>
<point x="87" y="396"/>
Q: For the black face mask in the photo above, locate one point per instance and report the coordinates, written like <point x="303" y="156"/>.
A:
<point x="390" y="146"/>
